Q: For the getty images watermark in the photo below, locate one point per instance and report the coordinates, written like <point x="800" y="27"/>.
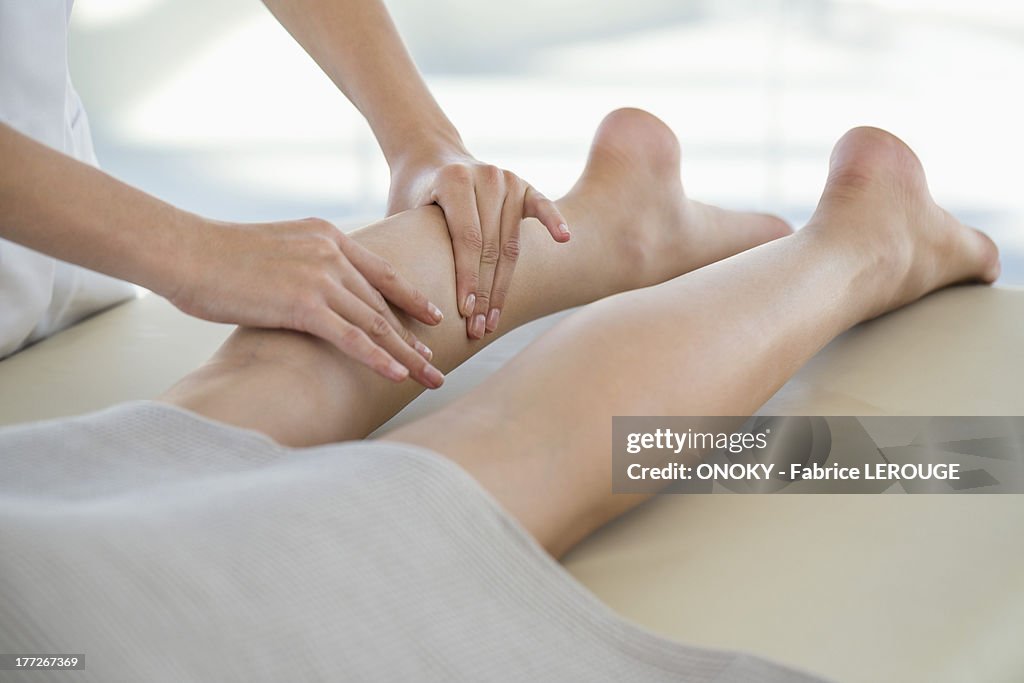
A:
<point x="818" y="454"/>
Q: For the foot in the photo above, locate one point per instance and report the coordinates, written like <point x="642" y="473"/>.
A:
<point x="876" y="203"/>
<point x="632" y="181"/>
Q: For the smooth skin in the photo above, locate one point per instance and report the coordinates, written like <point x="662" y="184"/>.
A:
<point x="615" y="247"/>
<point x="718" y="340"/>
<point x="302" y="275"/>
<point x="356" y="44"/>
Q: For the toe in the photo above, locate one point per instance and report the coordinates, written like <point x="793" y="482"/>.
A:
<point x="747" y="230"/>
<point x="775" y="226"/>
<point x="986" y="265"/>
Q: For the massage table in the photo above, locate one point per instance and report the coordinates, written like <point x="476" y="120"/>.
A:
<point x="853" y="587"/>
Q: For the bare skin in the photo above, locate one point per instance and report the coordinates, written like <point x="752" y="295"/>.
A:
<point x="633" y="227"/>
<point x="718" y="340"/>
<point x="357" y="45"/>
<point x="300" y="275"/>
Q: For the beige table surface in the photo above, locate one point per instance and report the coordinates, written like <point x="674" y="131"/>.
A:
<point x="868" y="588"/>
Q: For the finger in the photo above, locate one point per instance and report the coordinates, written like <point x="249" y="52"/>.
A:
<point x="490" y="197"/>
<point x="511" y="220"/>
<point x="457" y="200"/>
<point x="389" y="282"/>
<point x="354" y="343"/>
<point x="372" y="297"/>
<point x="536" y="205"/>
<point x="382" y="334"/>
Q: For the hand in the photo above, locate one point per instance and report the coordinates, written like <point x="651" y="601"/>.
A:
<point x="483" y="206"/>
<point x="308" y="276"/>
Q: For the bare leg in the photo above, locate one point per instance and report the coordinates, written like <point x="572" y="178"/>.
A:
<point x="718" y="341"/>
<point x="632" y="227"/>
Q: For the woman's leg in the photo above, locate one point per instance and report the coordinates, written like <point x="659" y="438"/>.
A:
<point x="718" y="341"/>
<point x="632" y="227"/>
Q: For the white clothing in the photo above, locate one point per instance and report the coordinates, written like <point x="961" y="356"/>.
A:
<point x="162" y="546"/>
<point x="40" y="295"/>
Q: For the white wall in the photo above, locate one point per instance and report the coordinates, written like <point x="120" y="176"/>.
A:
<point x="210" y="104"/>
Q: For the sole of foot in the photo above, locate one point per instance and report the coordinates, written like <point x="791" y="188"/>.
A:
<point x="632" y="177"/>
<point x="876" y="200"/>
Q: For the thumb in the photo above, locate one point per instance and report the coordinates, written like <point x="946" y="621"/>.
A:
<point x="536" y="205"/>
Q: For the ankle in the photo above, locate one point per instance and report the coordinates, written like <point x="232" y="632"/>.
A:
<point x="874" y="270"/>
<point x="621" y="250"/>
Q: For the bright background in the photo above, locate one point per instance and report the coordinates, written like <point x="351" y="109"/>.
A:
<point x="211" y="105"/>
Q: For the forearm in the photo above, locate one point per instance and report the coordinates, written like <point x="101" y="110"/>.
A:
<point x="62" y="207"/>
<point x="356" y="44"/>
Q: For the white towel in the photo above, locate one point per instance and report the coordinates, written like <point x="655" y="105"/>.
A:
<point x="166" y="547"/>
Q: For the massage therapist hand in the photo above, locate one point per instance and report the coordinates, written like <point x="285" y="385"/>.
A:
<point x="356" y="44"/>
<point x="303" y="275"/>
<point x="483" y="206"/>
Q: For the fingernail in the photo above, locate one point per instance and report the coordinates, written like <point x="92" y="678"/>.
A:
<point x="397" y="371"/>
<point x="470" y="305"/>
<point x="492" y="319"/>
<point x="436" y="313"/>
<point x="423" y="349"/>
<point x="476" y="328"/>
<point x="564" y="229"/>
<point x="433" y="376"/>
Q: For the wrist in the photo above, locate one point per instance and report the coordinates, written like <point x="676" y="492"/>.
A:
<point x="425" y="145"/>
<point x="176" y="265"/>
